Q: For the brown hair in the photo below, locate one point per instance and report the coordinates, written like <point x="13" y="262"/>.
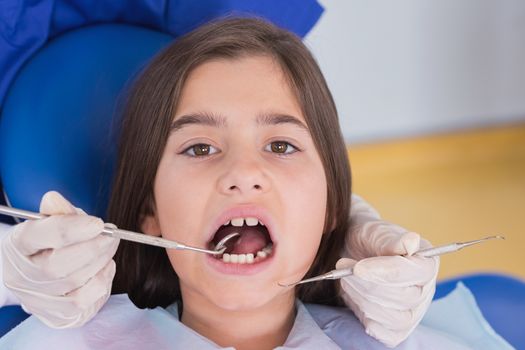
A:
<point x="145" y="272"/>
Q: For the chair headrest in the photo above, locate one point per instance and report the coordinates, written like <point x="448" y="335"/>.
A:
<point x="59" y="122"/>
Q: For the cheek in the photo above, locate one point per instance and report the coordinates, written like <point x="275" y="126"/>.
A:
<point x="183" y="264"/>
<point x="171" y="206"/>
<point x="180" y="210"/>
<point x="179" y="202"/>
<point x="307" y="198"/>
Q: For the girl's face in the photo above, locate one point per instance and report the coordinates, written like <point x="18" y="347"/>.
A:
<point x="240" y="149"/>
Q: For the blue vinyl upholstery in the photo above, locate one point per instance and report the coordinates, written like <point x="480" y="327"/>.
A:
<point x="59" y="122"/>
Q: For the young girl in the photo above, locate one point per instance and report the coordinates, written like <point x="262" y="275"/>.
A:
<point x="230" y="129"/>
<point x="219" y="134"/>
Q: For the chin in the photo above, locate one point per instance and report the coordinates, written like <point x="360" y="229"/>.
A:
<point x="243" y="298"/>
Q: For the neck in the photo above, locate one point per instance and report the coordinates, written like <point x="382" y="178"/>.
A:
<point x="265" y="327"/>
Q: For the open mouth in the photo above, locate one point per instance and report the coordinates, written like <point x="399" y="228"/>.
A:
<point x="252" y="245"/>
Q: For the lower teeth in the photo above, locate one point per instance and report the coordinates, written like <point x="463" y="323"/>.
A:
<point x="248" y="258"/>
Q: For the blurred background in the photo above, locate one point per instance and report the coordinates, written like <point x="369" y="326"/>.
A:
<point x="431" y="99"/>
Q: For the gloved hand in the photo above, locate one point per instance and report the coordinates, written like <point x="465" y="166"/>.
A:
<point x="60" y="267"/>
<point x="389" y="291"/>
<point x="6" y="296"/>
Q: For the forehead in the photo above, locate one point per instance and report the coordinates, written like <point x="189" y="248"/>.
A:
<point x="235" y="86"/>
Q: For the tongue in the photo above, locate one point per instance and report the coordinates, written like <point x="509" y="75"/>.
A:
<point x="251" y="241"/>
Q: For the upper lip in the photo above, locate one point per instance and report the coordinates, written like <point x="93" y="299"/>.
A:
<point x="243" y="211"/>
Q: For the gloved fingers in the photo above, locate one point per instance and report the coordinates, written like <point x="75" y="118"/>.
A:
<point x="398" y="298"/>
<point x="391" y="338"/>
<point x="405" y="244"/>
<point x="66" y="318"/>
<point x="88" y="313"/>
<point x="98" y="286"/>
<point x="53" y="312"/>
<point x="391" y="334"/>
<point x="53" y="203"/>
<point x="55" y="264"/>
<point x="376" y="238"/>
<point x="424" y="244"/>
<point x="353" y="306"/>
<point x="56" y="271"/>
<point x="397" y="271"/>
<point x="390" y="239"/>
<point x="345" y="263"/>
<point x="57" y="277"/>
<point x="75" y="308"/>
<point x="54" y="232"/>
<point x="80" y="211"/>
<point x="392" y="318"/>
<point x="387" y="296"/>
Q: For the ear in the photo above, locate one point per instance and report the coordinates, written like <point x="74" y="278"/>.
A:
<point x="150" y="225"/>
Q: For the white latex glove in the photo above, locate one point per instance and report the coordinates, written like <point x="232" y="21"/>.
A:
<point x="6" y="296"/>
<point x="388" y="291"/>
<point x="60" y="267"/>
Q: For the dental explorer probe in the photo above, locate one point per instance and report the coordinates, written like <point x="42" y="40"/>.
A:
<point x="427" y="253"/>
<point x="127" y="235"/>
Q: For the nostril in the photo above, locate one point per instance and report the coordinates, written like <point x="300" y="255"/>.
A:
<point x="257" y="187"/>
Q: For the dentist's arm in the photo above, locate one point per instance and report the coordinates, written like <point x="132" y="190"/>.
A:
<point x="388" y="292"/>
<point x="59" y="268"/>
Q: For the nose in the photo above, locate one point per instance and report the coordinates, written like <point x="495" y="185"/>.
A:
<point x="244" y="176"/>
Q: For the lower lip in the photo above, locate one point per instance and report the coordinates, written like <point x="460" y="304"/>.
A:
<point x="239" y="269"/>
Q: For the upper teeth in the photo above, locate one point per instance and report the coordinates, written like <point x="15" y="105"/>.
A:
<point x="238" y="222"/>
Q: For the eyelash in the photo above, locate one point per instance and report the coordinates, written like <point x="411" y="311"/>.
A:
<point x="288" y="144"/>
<point x="192" y="148"/>
<point x="266" y="148"/>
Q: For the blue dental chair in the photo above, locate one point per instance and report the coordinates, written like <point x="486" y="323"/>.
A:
<point x="60" y="116"/>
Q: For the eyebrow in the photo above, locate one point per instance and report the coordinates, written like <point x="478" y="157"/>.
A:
<point x="198" y="118"/>
<point x="276" y="118"/>
<point x="220" y="121"/>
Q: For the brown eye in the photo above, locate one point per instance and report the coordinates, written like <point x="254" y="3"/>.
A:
<point x="281" y="147"/>
<point x="200" y="150"/>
